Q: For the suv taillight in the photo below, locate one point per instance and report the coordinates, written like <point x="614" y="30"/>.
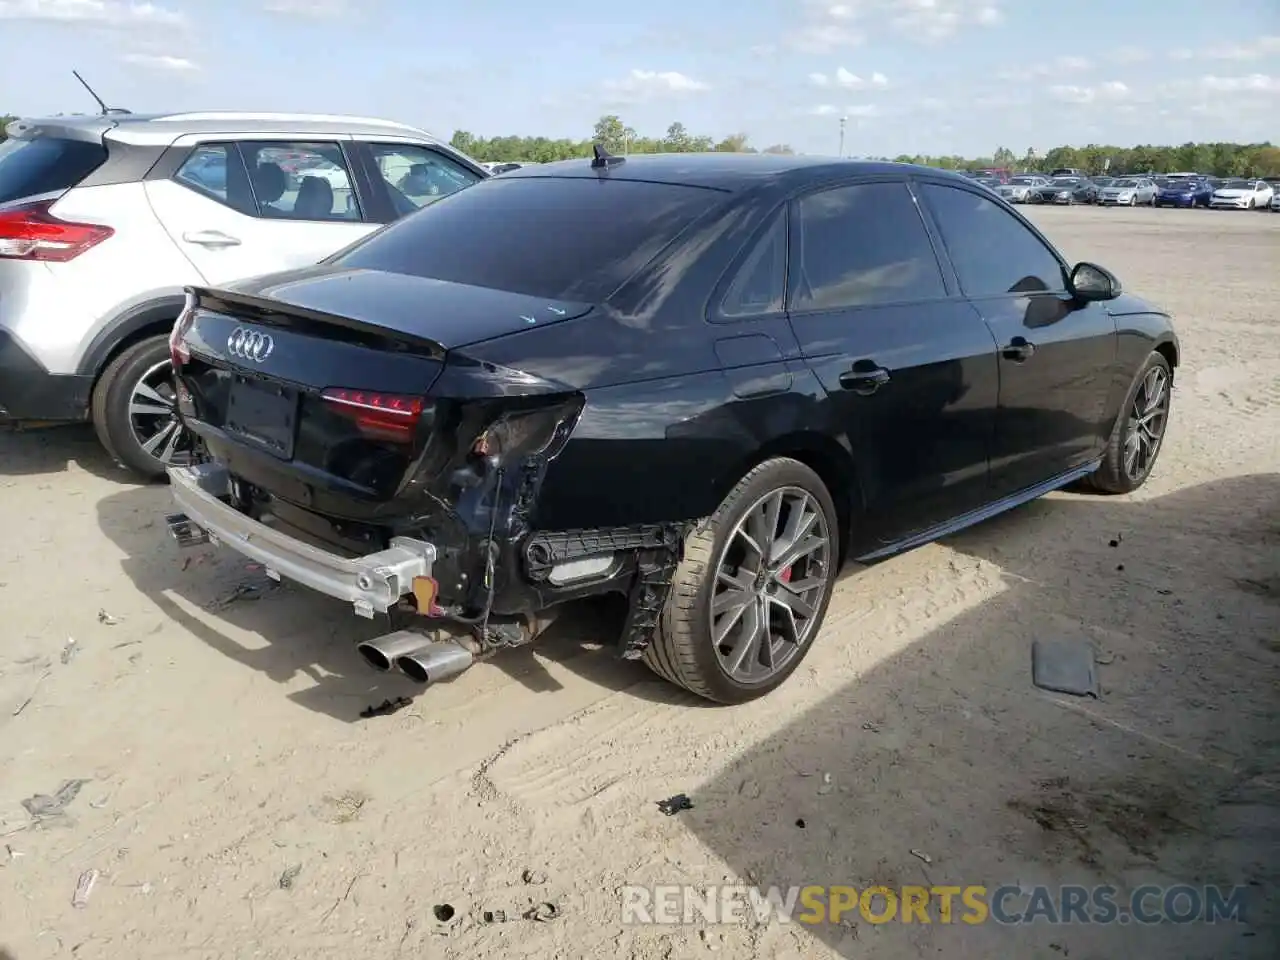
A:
<point x="31" y="232"/>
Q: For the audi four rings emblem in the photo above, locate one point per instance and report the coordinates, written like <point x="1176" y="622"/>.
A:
<point x="250" y="345"/>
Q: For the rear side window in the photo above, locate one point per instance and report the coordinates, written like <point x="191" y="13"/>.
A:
<point x="760" y="287"/>
<point x="561" y="238"/>
<point x="45" y="164"/>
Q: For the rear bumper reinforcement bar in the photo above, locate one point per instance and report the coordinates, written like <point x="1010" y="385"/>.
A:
<point x="373" y="583"/>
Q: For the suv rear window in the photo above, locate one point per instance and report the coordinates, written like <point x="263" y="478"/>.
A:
<point x="45" y="164"/>
<point x="563" y="238"/>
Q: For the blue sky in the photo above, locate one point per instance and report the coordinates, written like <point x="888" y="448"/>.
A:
<point x="932" y="76"/>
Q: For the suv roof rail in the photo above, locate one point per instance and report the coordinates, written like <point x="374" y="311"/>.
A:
<point x="197" y="116"/>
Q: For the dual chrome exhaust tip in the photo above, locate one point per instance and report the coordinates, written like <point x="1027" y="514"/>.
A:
<point x="419" y="658"/>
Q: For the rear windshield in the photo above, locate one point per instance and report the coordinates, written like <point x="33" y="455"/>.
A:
<point x="45" y="165"/>
<point x="558" y="238"/>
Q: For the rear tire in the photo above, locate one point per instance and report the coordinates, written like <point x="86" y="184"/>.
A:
<point x="720" y="566"/>
<point x="1139" y="431"/>
<point x="133" y="411"/>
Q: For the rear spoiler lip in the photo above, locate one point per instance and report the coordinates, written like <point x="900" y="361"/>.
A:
<point x="262" y="309"/>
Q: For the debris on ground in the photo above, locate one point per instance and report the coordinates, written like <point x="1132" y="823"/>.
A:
<point x="84" y="887"/>
<point x="673" y="805"/>
<point x="346" y="807"/>
<point x="800" y="822"/>
<point x="921" y="855"/>
<point x="34" y="689"/>
<point x="542" y="912"/>
<point x="44" y="807"/>
<point x="69" y="650"/>
<point x="443" y="912"/>
<point x="242" y="591"/>
<point x="290" y="875"/>
<point x="108" y="619"/>
<point x="827" y="785"/>
<point x="494" y="916"/>
<point x="1064" y="666"/>
<point x="534" y="877"/>
<point x="386" y="708"/>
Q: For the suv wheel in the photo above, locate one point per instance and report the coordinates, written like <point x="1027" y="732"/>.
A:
<point x="749" y="597"/>
<point x="1139" y="430"/>
<point x="134" y="411"/>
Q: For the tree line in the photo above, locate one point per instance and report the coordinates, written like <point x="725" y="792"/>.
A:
<point x="1219" y="159"/>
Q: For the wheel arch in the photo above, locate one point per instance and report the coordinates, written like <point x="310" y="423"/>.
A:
<point x="826" y="457"/>
<point x="151" y="318"/>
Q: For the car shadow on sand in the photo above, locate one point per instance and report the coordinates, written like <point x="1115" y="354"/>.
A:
<point x="942" y="765"/>
<point x="50" y="450"/>
<point x="219" y="597"/>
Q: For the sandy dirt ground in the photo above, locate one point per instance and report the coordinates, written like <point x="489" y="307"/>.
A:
<point x="236" y="805"/>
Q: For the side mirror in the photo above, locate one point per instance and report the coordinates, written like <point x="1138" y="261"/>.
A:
<point x="1092" y="282"/>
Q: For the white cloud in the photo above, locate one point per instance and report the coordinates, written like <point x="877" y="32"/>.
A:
<point x="1049" y="68"/>
<point x="1129" y="55"/>
<point x="316" y="9"/>
<point x="160" y="62"/>
<point x="91" y="12"/>
<point x="641" y="85"/>
<point x="862" y="110"/>
<point x="1255" y="50"/>
<point x="849" y="80"/>
<point x="828" y="27"/>
<point x="1069" y="93"/>
<point x="1253" y="83"/>
<point x="823" y="110"/>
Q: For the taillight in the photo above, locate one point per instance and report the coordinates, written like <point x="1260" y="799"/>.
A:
<point x="382" y="416"/>
<point x="31" y="232"/>
<point x="179" y="355"/>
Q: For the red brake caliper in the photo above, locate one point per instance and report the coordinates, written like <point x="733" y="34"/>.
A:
<point x="785" y="575"/>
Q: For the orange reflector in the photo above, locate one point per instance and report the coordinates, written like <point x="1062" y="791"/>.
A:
<point x="425" y="591"/>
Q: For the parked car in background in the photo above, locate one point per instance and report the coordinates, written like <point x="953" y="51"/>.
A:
<point x="1183" y="192"/>
<point x="448" y="417"/>
<point x="1065" y="190"/>
<point x="1018" y="188"/>
<point x="105" y="220"/>
<point x="1275" y="201"/>
<point x="1100" y="184"/>
<point x="1067" y="172"/>
<point x="1242" y="195"/>
<point x="1129" y="192"/>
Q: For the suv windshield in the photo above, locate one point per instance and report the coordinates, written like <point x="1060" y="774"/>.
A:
<point x="562" y="238"/>
<point x="46" y="164"/>
<point x="1065" y="181"/>
<point x="1125" y="183"/>
<point x="1020" y="181"/>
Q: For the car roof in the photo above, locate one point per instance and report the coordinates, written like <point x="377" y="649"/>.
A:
<point x="164" y="128"/>
<point x="731" y="172"/>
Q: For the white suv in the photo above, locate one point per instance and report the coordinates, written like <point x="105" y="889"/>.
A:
<point x="105" y="220"/>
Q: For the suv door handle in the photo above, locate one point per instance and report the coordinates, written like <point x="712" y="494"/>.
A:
<point x="1019" y="350"/>
<point x="864" y="380"/>
<point x="211" y="238"/>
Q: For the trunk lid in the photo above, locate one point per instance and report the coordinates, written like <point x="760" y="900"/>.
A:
<point x="325" y="387"/>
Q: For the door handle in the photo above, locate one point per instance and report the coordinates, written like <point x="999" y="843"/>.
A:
<point x="1019" y="350"/>
<point x="211" y="238"/>
<point x="864" y="382"/>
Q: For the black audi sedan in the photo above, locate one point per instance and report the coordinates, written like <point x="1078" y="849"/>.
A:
<point x="700" y="381"/>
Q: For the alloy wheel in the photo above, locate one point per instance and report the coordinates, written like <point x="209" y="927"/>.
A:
<point x="153" y="417"/>
<point x="1147" y="422"/>
<point x="772" y="573"/>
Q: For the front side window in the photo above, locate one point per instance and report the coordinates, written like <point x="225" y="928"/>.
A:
<point x="415" y="176"/>
<point x="993" y="251"/>
<point x="863" y="245"/>
<point x="300" y="181"/>
<point x="759" y="288"/>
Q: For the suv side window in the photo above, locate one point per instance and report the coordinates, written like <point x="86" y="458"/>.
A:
<point x="992" y="251"/>
<point x="215" y="169"/>
<point x="760" y="286"/>
<point x="862" y="245"/>
<point x="300" y="181"/>
<point x="414" y="175"/>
